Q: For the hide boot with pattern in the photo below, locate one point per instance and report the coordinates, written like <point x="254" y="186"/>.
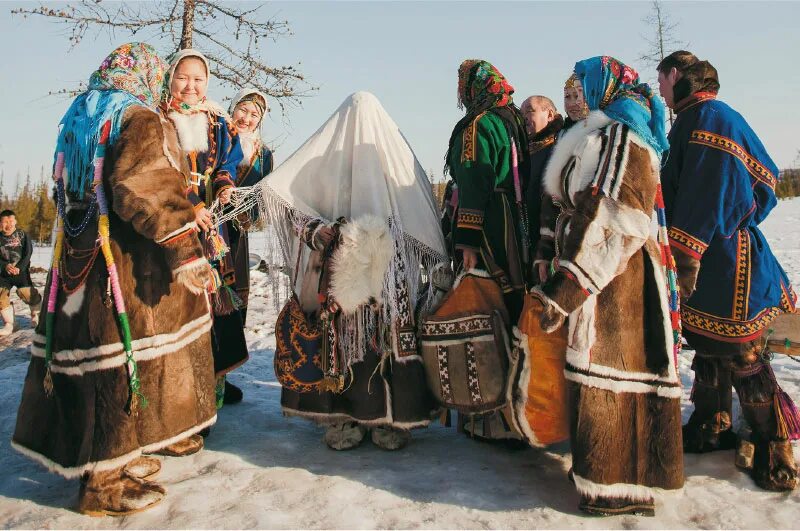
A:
<point x="143" y="467"/>
<point x="606" y="506"/>
<point x="709" y="427"/>
<point x="112" y="493"/>
<point x="389" y="438"/>
<point x="344" y="435"/>
<point x="774" y="468"/>
<point x="188" y="446"/>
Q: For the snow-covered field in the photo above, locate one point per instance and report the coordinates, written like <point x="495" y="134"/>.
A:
<point x="260" y="469"/>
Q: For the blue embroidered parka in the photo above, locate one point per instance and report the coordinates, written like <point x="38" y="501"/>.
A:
<point x="719" y="184"/>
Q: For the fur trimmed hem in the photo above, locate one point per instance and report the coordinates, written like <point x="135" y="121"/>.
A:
<point x="107" y="464"/>
<point x="625" y="491"/>
<point x="581" y="361"/>
<point x="233" y="368"/>
<point x="333" y="418"/>
<point x="144" y="349"/>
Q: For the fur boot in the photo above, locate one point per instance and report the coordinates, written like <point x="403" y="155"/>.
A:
<point x="188" y="446"/>
<point x="390" y="438"/>
<point x="344" y="436"/>
<point x="709" y="427"/>
<point x="112" y="493"/>
<point x="774" y="467"/>
<point x="8" y="321"/>
<point x="143" y="467"/>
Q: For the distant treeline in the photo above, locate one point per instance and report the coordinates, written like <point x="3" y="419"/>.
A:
<point x="788" y="184"/>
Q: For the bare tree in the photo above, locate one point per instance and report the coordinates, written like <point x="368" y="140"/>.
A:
<point x="231" y="36"/>
<point x="662" y="41"/>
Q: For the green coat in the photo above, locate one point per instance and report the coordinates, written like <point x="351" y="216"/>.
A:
<point x="487" y="219"/>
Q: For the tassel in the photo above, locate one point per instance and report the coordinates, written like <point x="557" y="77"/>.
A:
<point x="226" y="301"/>
<point x="217" y="247"/>
<point x="48" y="383"/>
<point x="787" y="416"/>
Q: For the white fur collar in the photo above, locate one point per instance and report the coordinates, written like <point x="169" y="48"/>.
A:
<point x="566" y="148"/>
<point x="249" y="142"/>
<point x="192" y="130"/>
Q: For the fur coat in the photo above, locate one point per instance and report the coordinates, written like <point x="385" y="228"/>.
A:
<point x="84" y="425"/>
<point x="611" y="283"/>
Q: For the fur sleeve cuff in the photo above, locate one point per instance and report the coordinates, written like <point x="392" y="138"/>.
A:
<point x="192" y="263"/>
<point x="176" y="235"/>
<point x="183" y="251"/>
<point x="565" y="293"/>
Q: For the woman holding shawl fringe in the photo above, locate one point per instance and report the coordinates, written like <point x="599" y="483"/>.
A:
<point x="211" y="147"/>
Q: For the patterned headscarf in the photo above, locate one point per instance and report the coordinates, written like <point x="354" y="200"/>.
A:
<point x="613" y="87"/>
<point x="134" y="68"/>
<point x="131" y="75"/>
<point x="481" y="86"/>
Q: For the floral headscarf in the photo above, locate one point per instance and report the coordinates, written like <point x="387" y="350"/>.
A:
<point x="613" y="87"/>
<point x="481" y="86"/>
<point x="131" y="75"/>
<point x="135" y="68"/>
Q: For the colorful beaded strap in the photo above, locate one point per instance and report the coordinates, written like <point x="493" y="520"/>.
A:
<point x="136" y="397"/>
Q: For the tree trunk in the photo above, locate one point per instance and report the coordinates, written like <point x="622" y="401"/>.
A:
<point x="188" y="24"/>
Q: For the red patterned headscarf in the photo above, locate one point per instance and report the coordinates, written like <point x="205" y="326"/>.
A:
<point x="481" y="86"/>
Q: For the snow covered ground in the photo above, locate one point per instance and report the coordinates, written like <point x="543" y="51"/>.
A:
<point x="260" y="469"/>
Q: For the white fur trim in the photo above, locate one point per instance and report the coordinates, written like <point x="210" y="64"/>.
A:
<point x="620" y="387"/>
<point x="325" y="418"/>
<point x="108" y="464"/>
<point x="191" y="225"/>
<point x="544" y="231"/>
<point x="627" y="491"/>
<point x="661" y="281"/>
<point x="144" y="349"/>
<point x="581" y="360"/>
<point x="361" y="262"/>
<point x="74" y="302"/>
<point x="165" y="146"/>
<point x="192" y="130"/>
<point x="582" y="141"/>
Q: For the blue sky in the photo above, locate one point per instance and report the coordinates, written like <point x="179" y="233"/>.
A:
<point x="407" y="54"/>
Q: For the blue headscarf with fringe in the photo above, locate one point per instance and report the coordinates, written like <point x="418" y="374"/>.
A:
<point x="133" y="74"/>
<point x="613" y="87"/>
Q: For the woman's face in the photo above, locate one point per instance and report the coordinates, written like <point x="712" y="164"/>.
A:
<point x="189" y="83"/>
<point x="246" y="116"/>
<point x="574" y="103"/>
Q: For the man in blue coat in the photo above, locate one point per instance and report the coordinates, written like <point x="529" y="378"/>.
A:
<point x="719" y="184"/>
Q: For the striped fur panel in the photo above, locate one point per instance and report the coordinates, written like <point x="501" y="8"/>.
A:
<point x="77" y="362"/>
<point x="616" y="232"/>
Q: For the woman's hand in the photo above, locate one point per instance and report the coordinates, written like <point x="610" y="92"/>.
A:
<point x="203" y="218"/>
